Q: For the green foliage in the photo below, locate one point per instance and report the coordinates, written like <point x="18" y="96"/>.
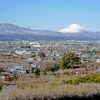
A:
<point x="37" y="71"/>
<point x="82" y="79"/>
<point x="0" y="87"/>
<point x="33" y="55"/>
<point x="65" y="73"/>
<point x="15" y="76"/>
<point x="31" y="86"/>
<point x="53" y="84"/>
<point x="69" y="60"/>
<point x="69" y="82"/>
<point x="32" y="70"/>
<point x="58" y="75"/>
<point x="21" y="87"/>
<point x="95" y="78"/>
<point x="76" y="82"/>
<point x="64" y="81"/>
<point x="41" y="54"/>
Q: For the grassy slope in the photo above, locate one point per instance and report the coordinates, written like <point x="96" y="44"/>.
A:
<point x="44" y="87"/>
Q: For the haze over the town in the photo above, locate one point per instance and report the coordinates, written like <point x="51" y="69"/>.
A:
<point x="51" y="14"/>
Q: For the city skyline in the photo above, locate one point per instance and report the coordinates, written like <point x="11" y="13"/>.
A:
<point x="51" y="14"/>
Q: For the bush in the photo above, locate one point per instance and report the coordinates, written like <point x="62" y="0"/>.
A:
<point x="41" y="54"/>
<point x="58" y="75"/>
<point x="91" y="79"/>
<point x="65" y="73"/>
<point x="64" y="81"/>
<point x="0" y="87"/>
<point x="69" y="81"/>
<point x="97" y="79"/>
<point x="32" y="70"/>
<point x="53" y="84"/>
<point x="85" y="79"/>
<point x="21" y="87"/>
<point x="76" y="82"/>
<point x="33" y="55"/>
<point x="37" y="71"/>
<point x="82" y="79"/>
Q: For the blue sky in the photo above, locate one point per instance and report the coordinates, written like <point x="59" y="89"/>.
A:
<point x="51" y="14"/>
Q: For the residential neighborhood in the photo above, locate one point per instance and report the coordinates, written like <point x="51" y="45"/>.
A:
<point x="25" y="57"/>
<point x="27" y="52"/>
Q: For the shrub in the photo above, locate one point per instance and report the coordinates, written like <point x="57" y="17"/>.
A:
<point x="37" y="71"/>
<point x="88" y="79"/>
<point x="82" y="79"/>
<point x="91" y="79"/>
<point x="33" y="55"/>
<point x="31" y="86"/>
<point x="64" y="81"/>
<point x="21" y="87"/>
<point x="58" y="75"/>
<point x="32" y="70"/>
<point x="69" y="81"/>
<point x="97" y="79"/>
<point x="85" y="79"/>
<point x="65" y="73"/>
<point x="53" y="84"/>
<point x="0" y="87"/>
<point x="76" y="82"/>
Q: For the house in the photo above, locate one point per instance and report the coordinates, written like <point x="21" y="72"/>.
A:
<point x="33" y="65"/>
<point x="21" y="52"/>
<point x="97" y="61"/>
<point x="30" y="59"/>
<point x="82" y="71"/>
<point x="20" y="69"/>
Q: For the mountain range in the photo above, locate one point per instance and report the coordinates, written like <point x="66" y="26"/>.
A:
<point x="10" y="32"/>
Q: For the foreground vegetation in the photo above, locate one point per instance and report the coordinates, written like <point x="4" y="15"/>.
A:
<point x="95" y="78"/>
<point x="31" y="87"/>
<point x="61" y="93"/>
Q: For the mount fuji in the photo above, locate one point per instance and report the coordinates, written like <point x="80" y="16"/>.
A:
<point x="72" y="29"/>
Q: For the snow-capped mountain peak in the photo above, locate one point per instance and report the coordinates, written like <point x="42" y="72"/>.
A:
<point x="73" y="28"/>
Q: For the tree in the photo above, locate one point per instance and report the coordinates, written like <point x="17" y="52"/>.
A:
<point x="1" y="70"/>
<point x="15" y="77"/>
<point x="41" y="54"/>
<point x="37" y="71"/>
<point x="69" y="60"/>
<point x="32" y="70"/>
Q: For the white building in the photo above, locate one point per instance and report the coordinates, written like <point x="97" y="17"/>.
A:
<point x="35" y="44"/>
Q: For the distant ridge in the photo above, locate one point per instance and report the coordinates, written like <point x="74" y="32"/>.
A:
<point x="10" y="32"/>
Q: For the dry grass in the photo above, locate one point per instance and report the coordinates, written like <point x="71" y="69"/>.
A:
<point x="47" y="88"/>
<point x="47" y="92"/>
